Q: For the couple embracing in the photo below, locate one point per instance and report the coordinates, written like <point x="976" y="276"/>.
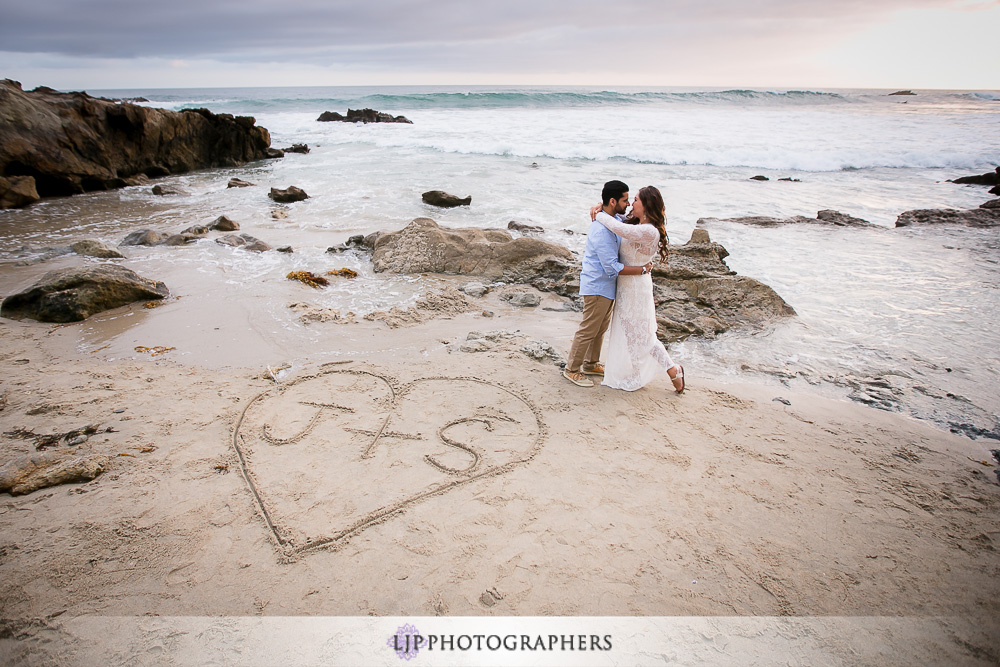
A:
<point x="617" y="289"/>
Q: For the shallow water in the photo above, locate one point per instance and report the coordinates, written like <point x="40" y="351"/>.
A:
<point x="901" y="318"/>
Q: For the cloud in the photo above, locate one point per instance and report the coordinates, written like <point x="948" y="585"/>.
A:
<point x="668" y="41"/>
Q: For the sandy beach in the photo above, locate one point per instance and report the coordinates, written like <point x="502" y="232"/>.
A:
<point x="411" y="478"/>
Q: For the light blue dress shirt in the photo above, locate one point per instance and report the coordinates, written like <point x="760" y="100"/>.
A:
<point x="600" y="262"/>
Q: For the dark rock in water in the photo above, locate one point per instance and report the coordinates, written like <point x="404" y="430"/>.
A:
<point x="244" y="241"/>
<point x="902" y="92"/>
<point x="995" y="191"/>
<point x="196" y="230"/>
<point x="826" y="217"/>
<point x="362" y="116"/>
<point x="273" y="153"/>
<point x="444" y="200"/>
<point x="237" y="183"/>
<point x="285" y="249"/>
<point x="790" y="180"/>
<point x="524" y="228"/>
<point x="76" y="294"/>
<point x="40" y="470"/>
<point x="972" y="431"/>
<point x="977" y="217"/>
<point x="288" y="195"/>
<point x="143" y="237"/>
<point x="224" y="224"/>
<point x="989" y="178"/>
<point x="91" y="248"/>
<point x="758" y="177"/>
<point x="181" y="239"/>
<point x="72" y="142"/>
<point x="168" y="190"/>
<point x="297" y="148"/>
<point x="993" y="203"/>
<point x="357" y="241"/>
<point x="17" y="191"/>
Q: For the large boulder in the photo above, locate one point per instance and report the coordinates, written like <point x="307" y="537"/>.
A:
<point x="76" y="294"/>
<point x="977" y="217"/>
<point x="444" y="200"/>
<point x="72" y="142"/>
<point x="17" y="191"/>
<point x="825" y="217"/>
<point x="361" y="116"/>
<point x="425" y="247"/>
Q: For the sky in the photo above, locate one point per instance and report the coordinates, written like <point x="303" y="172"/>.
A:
<point x="109" y="44"/>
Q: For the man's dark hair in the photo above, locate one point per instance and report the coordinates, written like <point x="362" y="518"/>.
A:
<point x="613" y="190"/>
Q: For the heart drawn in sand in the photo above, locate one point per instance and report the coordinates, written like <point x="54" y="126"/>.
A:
<point x="328" y="455"/>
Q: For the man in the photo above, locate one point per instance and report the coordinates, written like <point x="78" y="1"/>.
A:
<point x="598" y="282"/>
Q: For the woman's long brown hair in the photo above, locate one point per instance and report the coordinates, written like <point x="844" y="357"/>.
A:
<point x="652" y="205"/>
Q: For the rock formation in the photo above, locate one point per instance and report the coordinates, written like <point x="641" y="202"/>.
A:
<point x="362" y="116"/>
<point x="71" y="142"/>
<point x="826" y="217"/>
<point x="288" y="195"/>
<point x="244" y="241"/>
<point x="696" y="294"/>
<point x="989" y="178"/>
<point x="444" y="200"/>
<point x="977" y="217"/>
<point x="76" y="294"/>
<point x="31" y="472"/>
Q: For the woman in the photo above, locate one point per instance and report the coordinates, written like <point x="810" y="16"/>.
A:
<point x="635" y="356"/>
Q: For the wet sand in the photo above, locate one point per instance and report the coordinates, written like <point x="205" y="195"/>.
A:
<point x="387" y="472"/>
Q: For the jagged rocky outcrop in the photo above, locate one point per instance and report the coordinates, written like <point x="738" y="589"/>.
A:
<point x="989" y="178"/>
<point x="75" y="294"/>
<point x="976" y="217"/>
<point x="696" y="294"/>
<point x="68" y="143"/>
<point x="362" y="116"/>
<point x="444" y="200"/>
<point x="825" y="217"/>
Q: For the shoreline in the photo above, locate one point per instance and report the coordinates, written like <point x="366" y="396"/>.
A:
<point x="820" y="507"/>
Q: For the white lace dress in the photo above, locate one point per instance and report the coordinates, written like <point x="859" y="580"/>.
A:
<point x="633" y="356"/>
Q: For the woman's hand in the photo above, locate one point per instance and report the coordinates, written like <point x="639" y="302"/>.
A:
<point x="594" y="211"/>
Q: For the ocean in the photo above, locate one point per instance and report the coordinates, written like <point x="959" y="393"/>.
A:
<point x="901" y="319"/>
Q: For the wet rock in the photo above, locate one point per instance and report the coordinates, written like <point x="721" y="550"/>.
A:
<point x="825" y="217"/>
<point x="196" y="230"/>
<point x="168" y="190"/>
<point x="224" y="224"/>
<point x="44" y="469"/>
<point x="474" y="289"/>
<point x="143" y="237"/>
<point x="541" y="351"/>
<point x="425" y="247"/>
<point x="522" y="299"/>
<point x="288" y="195"/>
<point x="244" y="241"/>
<point x="789" y="179"/>
<point x="524" y="228"/>
<point x="354" y="242"/>
<point x="977" y="217"/>
<point x="72" y="142"/>
<point x="273" y="153"/>
<point x="446" y="303"/>
<point x="995" y="191"/>
<point x="989" y="178"/>
<point x="279" y="214"/>
<point x="297" y="148"/>
<point x="361" y="116"/>
<point x="17" y="191"/>
<point x="92" y="248"/>
<point x="238" y="183"/>
<point x="180" y="239"/>
<point x="285" y="249"/>
<point x="993" y="203"/>
<point x="902" y="92"/>
<point x="76" y="294"/>
<point x="444" y="200"/>
<point x="758" y="177"/>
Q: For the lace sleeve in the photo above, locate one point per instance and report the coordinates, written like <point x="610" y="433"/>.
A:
<point x="644" y="234"/>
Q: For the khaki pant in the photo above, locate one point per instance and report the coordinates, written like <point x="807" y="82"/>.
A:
<point x="587" y="343"/>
